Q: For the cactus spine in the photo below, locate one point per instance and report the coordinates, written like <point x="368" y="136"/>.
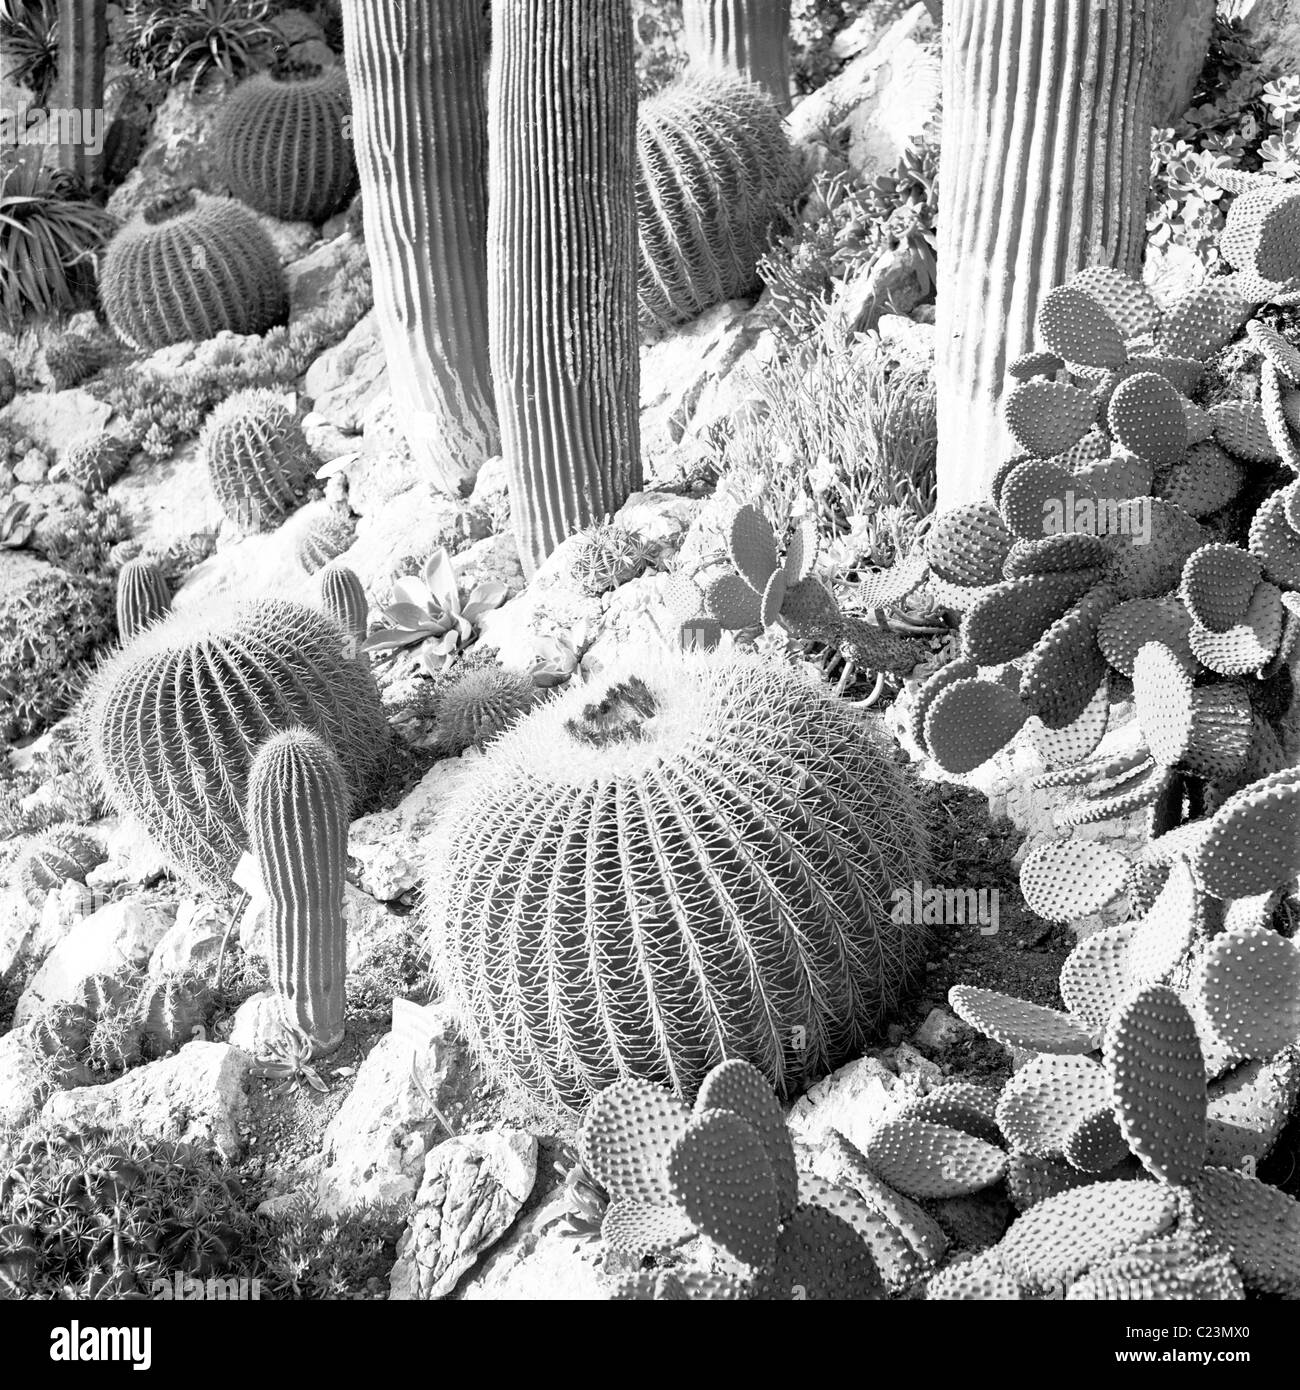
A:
<point x="421" y="146"/>
<point x="562" y="263"/>
<point x="1056" y="96"/>
<point x="82" y="40"/>
<point x="748" y="37"/>
<point x="142" y="597"/>
<point x="298" y="828"/>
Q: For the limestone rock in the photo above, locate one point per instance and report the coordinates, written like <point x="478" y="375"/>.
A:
<point x="21" y="1083"/>
<point x="344" y="379"/>
<point x="195" y="1096"/>
<point x="473" y="1187"/>
<point x="55" y="419"/>
<point x="167" y="499"/>
<point x="375" y="1145"/>
<point x="312" y="277"/>
<point x="120" y="934"/>
<point x="853" y="1100"/>
<point x="192" y="941"/>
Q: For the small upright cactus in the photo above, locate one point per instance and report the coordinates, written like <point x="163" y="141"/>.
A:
<point x="143" y="596"/>
<point x="343" y="597"/>
<point x="298" y="828"/>
<point x="257" y="456"/>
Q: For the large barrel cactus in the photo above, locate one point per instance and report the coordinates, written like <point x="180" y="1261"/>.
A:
<point x="298" y="827"/>
<point x="691" y="859"/>
<point x="258" y="457"/>
<point x="187" y="267"/>
<point x="172" y="720"/>
<point x="420" y="124"/>
<point x="714" y="170"/>
<point x="284" y="147"/>
<point x="562" y="263"/>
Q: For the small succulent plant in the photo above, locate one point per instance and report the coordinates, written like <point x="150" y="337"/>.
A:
<point x="431" y="612"/>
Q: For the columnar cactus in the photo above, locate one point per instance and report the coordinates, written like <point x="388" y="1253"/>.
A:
<point x="171" y="722"/>
<point x="283" y="146"/>
<point x="257" y="457"/>
<point x="420" y="132"/>
<point x="747" y="37"/>
<point x="298" y="828"/>
<point x="562" y="263"/>
<point x="343" y="597"/>
<point x="688" y="861"/>
<point x="143" y="596"/>
<point x="188" y="267"/>
<point x="82" y="41"/>
<point x="1055" y="96"/>
<point x="714" y="170"/>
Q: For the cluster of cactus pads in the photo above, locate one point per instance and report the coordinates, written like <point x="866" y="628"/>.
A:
<point x="714" y="171"/>
<point x="190" y="266"/>
<point x="688" y="859"/>
<point x="1117" y="528"/>
<point x="761" y="587"/>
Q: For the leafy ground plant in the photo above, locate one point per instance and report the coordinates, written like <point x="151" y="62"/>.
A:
<point x="29" y="42"/>
<point x="191" y="40"/>
<point x="49" y="234"/>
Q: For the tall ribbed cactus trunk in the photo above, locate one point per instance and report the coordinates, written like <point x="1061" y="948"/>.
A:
<point x="562" y="262"/>
<point x="748" y="37"/>
<point x="420" y="127"/>
<point x="298" y="829"/>
<point x="1045" y="170"/>
<point x="82" y="39"/>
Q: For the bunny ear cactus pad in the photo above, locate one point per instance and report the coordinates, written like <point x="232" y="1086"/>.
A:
<point x="1059" y="1238"/>
<point x="1047" y="1098"/>
<point x="1034" y="364"/>
<point x="1063" y="880"/>
<point x="1065" y="667"/>
<point x="1146" y="417"/>
<point x="1253" y="842"/>
<point x="1127" y="301"/>
<point x="1276" y="542"/>
<point x="1258" y="1225"/>
<point x="1148" y="566"/>
<point x="1242" y="430"/>
<point x="1047" y="417"/>
<point x="1018" y="1023"/>
<point x="1205" y="482"/>
<point x="720" y="1177"/>
<point x="1218" y="584"/>
<point x="1094" y="977"/>
<point x="819" y="1256"/>
<point x="1157" y="1076"/>
<point x="736" y="1086"/>
<point x="1035" y="497"/>
<point x="1073" y="550"/>
<point x="1201" y="320"/>
<point x="1075" y="326"/>
<point x="924" y="1160"/>
<point x="1078" y="739"/>
<point x="1011" y="617"/>
<point x="1275" y="348"/>
<point x="1129" y="626"/>
<point x="958" y="669"/>
<point x="969" y="721"/>
<point x="753" y="548"/>
<point x="638" y="1229"/>
<point x="626" y="1136"/>
<point x="1247" y="646"/>
<point x="968" y="544"/>
<point x="1280" y="431"/>
<point x="1248" y="984"/>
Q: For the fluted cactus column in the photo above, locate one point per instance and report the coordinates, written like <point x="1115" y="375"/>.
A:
<point x="79" y="90"/>
<point x="298" y="829"/>
<point x="1045" y="170"/>
<point x="418" y="120"/>
<point x="562" y="262"/>
<point x="749" y="37"/>
<point x="1188" y="28"/>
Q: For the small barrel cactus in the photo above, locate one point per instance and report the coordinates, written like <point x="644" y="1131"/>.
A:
<point x="54" y="858"/>
<point x="298" y="826"/>
<point x="479" y="704"/>
<point x="188" y="267"/>
<point x="257" y="456"/>
<point x="93" y="463"/>
<point x="607" y="555"/>
<point x="143" y="596"/>
<point x="714" y="171"/>
<point x="343" y="597"/>
<point x="326" y="533"/>
<point x="171" y="1011"/>
<point x="283" y="147"/>
<point x="692" y="859"/>
<point x="171" y="722"/>
<point x="8" y="382"/>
